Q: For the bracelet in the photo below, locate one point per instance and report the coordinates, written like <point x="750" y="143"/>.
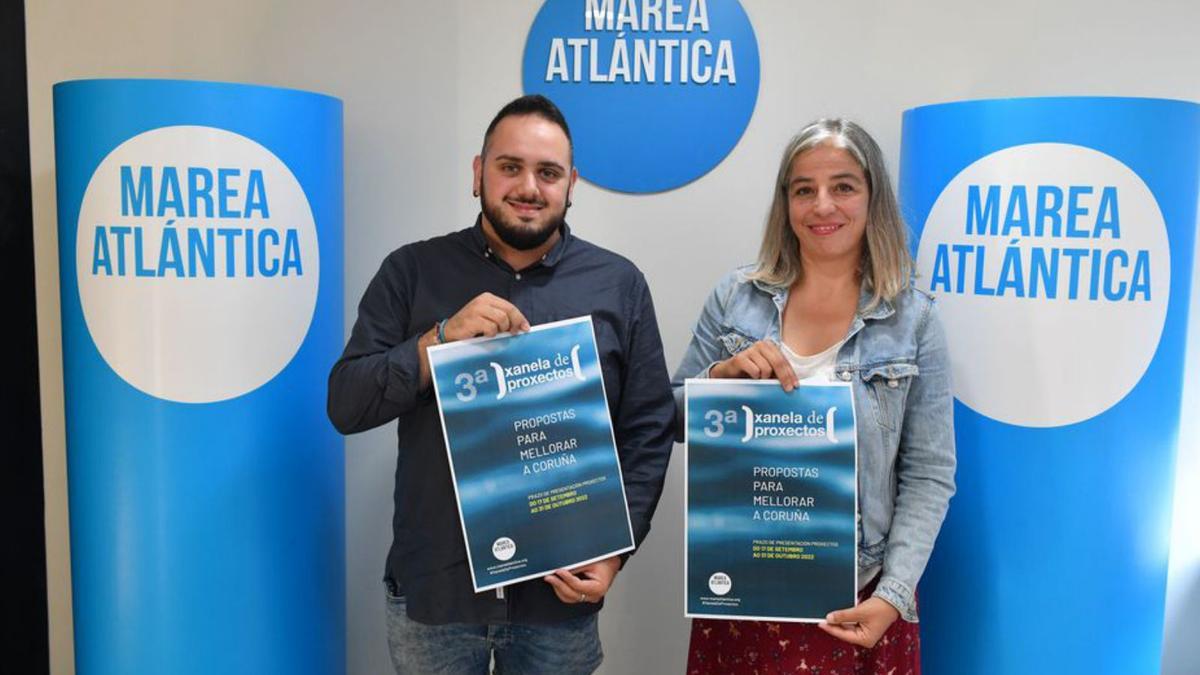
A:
<point x="441" y="331"/>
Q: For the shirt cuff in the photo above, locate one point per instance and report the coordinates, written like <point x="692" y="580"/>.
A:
<point x="403" y="375"/>
<point x="897" y="594"/>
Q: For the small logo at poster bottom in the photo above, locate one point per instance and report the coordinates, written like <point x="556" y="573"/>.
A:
<point x="720" y="583"/>
<point x="504" y="548"/>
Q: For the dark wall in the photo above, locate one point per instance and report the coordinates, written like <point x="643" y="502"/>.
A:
<point x="24" y="642"/>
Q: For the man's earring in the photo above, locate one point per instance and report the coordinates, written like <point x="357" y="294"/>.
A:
<point x="474" y="193"/>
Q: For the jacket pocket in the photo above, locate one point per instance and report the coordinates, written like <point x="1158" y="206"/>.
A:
<point x="887" y="384"/>
<point x="870" y="555"/>
<point x="735" y="341"/>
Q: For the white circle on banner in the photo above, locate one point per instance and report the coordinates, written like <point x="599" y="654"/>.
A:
<point x="197" y="261"/>
<point x="720" y="583"/>
<point x="1054" y="327"/>
<point x="504" y="549"/>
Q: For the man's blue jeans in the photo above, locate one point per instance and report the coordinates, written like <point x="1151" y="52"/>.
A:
<point x="566" y="648"/>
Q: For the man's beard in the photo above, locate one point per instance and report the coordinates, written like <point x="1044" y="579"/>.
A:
<point x="520" y="236"/>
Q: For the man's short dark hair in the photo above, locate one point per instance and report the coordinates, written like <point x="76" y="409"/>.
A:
<point x="531" y="104"/>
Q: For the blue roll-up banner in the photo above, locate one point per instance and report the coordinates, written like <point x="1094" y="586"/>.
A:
<point x="200" y="253"/>
<point x="1057" y="235"/>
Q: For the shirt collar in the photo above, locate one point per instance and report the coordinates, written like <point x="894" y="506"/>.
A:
<point x="551" y="258"/>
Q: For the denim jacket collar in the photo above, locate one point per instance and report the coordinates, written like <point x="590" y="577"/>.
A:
<point x="845" y="357"/>
<point x="882" y="310"/>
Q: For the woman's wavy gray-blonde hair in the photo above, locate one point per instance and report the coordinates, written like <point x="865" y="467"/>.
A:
<point x="886" y="264"/>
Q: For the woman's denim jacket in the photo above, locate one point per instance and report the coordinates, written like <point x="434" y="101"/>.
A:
<point x="895" y="356"/>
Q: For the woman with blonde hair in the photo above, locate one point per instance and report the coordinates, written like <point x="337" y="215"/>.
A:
<point x="831" y="298"/>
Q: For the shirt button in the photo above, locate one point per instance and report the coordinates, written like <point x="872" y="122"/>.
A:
<point x="845" y="375"/>
<point x="892" y="384"/>
<point x="518" y="275"/>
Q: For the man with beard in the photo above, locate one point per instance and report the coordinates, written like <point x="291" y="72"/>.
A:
<point x="519" y="265"/>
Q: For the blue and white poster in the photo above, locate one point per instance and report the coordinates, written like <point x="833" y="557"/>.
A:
<point x="200" y="254"/>
<point x="1057" y="235"/>
<point x="532" y="452"/>
<point x="771" y="494"/>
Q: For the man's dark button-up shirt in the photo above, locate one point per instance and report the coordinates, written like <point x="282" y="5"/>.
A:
<point x="378" y="380"/>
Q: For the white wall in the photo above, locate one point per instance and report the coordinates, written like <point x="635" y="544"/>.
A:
<point x="420" y="81"/>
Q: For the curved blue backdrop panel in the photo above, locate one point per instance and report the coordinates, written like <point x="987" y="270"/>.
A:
<point x="200" y="235"/>
<point x="1057" y="235"/>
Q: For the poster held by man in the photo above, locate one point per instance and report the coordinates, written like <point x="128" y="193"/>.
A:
<point x="532" y="454"/>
